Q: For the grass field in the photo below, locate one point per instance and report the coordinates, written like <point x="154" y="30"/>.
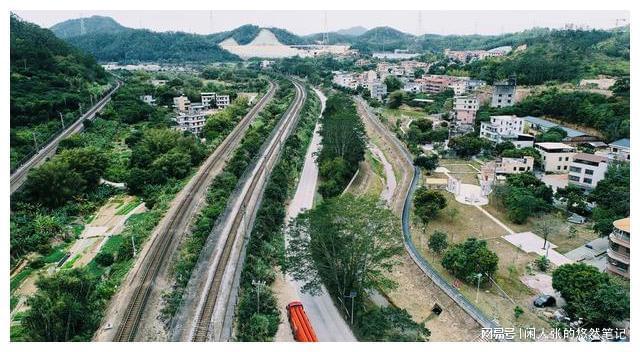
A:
<point x="462" y="221"/>
<point x="560" y="227"/>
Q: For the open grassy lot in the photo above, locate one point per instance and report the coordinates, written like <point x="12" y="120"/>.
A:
<point x="462" y="221"/>
<point x="560" y="233"/>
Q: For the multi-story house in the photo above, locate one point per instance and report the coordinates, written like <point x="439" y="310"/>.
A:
<point x="207" y="97"/>
<point x="222" y="101"/>
<point x="193" y="119"/>
<point x="586" y="170"/>
<point x="181" y="103"/>
<point x="621" y="149"/>
<point x="377" y="89"/>
<point x="500" y="127"/>
<point x="148" y="99"/>
<point x="504" y="93"/>
<point x="465" y="108"/>
<point x="556" y="157"/>
<point x="506" y="166"/>
<point x="618" y="253"/>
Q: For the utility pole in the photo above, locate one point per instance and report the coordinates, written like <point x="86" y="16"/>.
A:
<point x="352" y="295"/>
<point x="61" y="119"/>
<point x="479" y="276"/>
<point x="258" y="285"/>
<point x="35" y="142"/>
<point x="133" y="243"/>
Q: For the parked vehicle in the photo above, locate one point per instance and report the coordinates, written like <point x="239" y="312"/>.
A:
<point x="300" y="325"/>
<point x="544" y="301"/>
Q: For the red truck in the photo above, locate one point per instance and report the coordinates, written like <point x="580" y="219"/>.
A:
<point x="300" y="325"/>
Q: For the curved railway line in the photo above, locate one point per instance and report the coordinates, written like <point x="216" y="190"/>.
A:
<point x="214" y="305"/>
<point x="178" y="221"/>
<point x="404" y="201"/>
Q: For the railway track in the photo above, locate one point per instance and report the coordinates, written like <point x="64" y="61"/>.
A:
<point x="217" y="300"/>
<point x="178" y="220"/>
<point x="18" y="176"/>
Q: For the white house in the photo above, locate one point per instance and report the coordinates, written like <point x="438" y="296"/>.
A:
<point x="621" y="149"/>
<point x="586" y="170"/>
<point x="507" y="166"/>
<point x="556" y="157"/>
<point x="501" y="128"/>
<point x="148" y="99"/>
<point x="377" y="89"/>
<point x="207" y="97"/>
<point x="181" y="103"/>
<point x="192" y="120"/>
<point x="222" y="101"/>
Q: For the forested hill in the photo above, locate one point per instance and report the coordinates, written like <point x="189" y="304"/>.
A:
<point x="550" y="55"/>
<point x="137" y="45"/>
<point x="48" y="77"/>
<point x="93" y="24"/>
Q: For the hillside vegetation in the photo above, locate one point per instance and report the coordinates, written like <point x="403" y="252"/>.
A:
<point x="48" y="78"/>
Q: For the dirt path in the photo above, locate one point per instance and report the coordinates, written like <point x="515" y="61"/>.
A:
<point x="106" y="223"/>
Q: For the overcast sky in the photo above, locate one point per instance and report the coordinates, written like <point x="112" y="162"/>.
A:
<point x="306" y="22"/>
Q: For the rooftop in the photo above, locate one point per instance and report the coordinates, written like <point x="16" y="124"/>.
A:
<point x="624" y="142"/>
<point x="590" y="157"/>
<point x="622" y="224"/>
<point x="548" y="124"/>
<point x="554" y="145"/>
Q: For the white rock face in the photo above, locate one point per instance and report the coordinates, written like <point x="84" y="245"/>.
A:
<point x="264" y="45"/>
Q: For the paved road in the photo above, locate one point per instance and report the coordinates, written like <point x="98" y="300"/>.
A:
<point x="323" y="314"/>
<point x="20" y="175"/>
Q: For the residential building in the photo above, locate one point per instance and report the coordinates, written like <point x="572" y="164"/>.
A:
<point x="181" y="103"/>
<point x="206" y="98"/>
<point x="377" y="89"/>
<point x="412" y="87"/>
<point x="158" y="82"/>
<point x="586" y="170"/>
<point x="436" y="83"/>
<point x="192" y="120"/>
<point x="507" y="166"/>
<point x="465" y="108"/>
<point x="500" y="127"/>
<point x="504" y="93"/>
<point x="556" y="157"/>
<point x="618" y="253"/>
<point x="621" y="149"/>
<point x="148" y="99"/>
<point x="222" y="101"/>
<point x="266" y="64"/>
<point x="474" y="84"/>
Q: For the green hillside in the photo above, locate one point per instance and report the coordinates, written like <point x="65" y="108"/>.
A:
<point x="93" y="24"/>
<point x="48" y="77"/>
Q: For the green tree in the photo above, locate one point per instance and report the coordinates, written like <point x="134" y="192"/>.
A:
<point x="612" y="198"/>
<point x="466" y="260"/>
<point x="438" y="241"/>
<point x="428" y="203"/>
<point x="466" y="146"/>
<point x="348" y="243"/>
<point x="395" y="99"/>
<point x="390" y="324"/>
<point x="53" y="184"/>
<point x="591" y="295"/>
<point x="65" y="308"/>
<point x="427" y="162"/>
<point x="393" y="83"/>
